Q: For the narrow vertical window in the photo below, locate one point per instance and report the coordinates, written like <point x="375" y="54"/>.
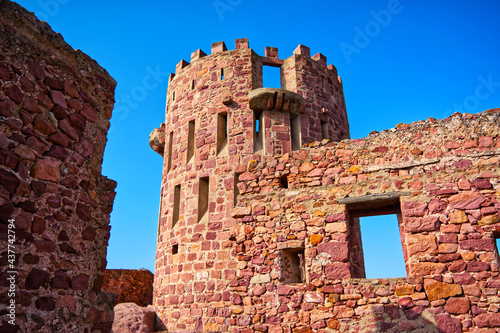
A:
<point x="292" y="270"/>
<point x="324" y="130"/>
<point x="284" y="181"/>
<point x="160" y="214"/>
<point x="295" y="132"/>
<point x="175" y="248"/>
<point x="258" y="132"/>
<point x="236" y="190"/>
<point x="221" y="132"/>
<point x="222" y="74"/>
<point x="496" y="237"/>
<point x="170" y="148"/>
<point x="190" y="143"/>
<point x="173" y="96"/>
<point x="177" y="202"/>
<point x="203" y="199"/>
<point x="192" y="84"/>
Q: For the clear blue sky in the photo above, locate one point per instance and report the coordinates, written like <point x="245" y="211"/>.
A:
<point x="400" y="61"/>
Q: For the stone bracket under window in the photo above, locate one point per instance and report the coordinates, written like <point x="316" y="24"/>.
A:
<point x="276" y="99"/>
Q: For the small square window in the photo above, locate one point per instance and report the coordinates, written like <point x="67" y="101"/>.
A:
<point x="284" y="181"/>
<point x="292" y="266"/>
<point x="271" y="76"/>
<point x="175" y="248"/>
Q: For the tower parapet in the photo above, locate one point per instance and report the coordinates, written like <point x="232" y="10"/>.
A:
<point x="219" y="118"/>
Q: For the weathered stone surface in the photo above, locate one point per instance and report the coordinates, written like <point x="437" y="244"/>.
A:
<point x="47" y="169"/>
<point x="436" y="290"/>
<point x="487" y="320"/>
<point x="129" y="285"/>
<point x="477" y="244"/>
<point x="458" y="216"/>
<point x="419" y="224"/>
<point x="337" y="250"/>
<point x="448" y="324"/>
<point x="457" y="305"/>
<point x="421" y="244"/>
<point x="466" y="200"/>
<point x="131" y="318"/>
<point x="337" y="270"/>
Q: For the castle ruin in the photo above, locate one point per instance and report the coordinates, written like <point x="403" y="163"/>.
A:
<point x="262" y="193"/>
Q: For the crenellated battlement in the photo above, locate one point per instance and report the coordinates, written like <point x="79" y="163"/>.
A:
<point x="270" y="57"/>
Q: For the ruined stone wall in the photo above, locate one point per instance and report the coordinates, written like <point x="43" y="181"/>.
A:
<point x="129" y="285"/>
<point x="208" y="138"/>
<point x="55" y="106"/>
<point x="440" y="177"/>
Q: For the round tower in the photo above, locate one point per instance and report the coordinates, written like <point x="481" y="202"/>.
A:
<point x="219" y="120"/>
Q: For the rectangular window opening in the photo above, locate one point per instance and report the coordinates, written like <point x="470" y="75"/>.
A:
<point x="222" y="74"/>
<point x="192" y="84"/>
<point x="382" y="249"/>
<point x="271" y="76"/>
<point x="177" y="202"/>
<point x="324" y="130"/>
<point x="375" y="241"/>
<point x="221" y="132"/>
<point x="295" y="136"/>
<point x="496" y="237"/>
<point x="175" y="249"/>
<point x="190" y="144"/>
<point x="258" y="132"/>
<point x="170" y="148"/>
<point x="236" y="190"/>
<point x="203" y="192"/>
<point x="292" y="270"/>
<point x="173" y="96"/>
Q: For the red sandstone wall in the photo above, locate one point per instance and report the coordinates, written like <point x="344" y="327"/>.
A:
<point x="55" y="106"/>
<point x="129" y="285"/>
<point x="447" y="173"/>
<point x="194" y="261"/>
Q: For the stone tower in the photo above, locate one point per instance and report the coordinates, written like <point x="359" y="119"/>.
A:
<point x="220" y="120"/>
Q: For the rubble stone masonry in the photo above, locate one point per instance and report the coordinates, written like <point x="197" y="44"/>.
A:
<point x="257" y="235"/>
<point x="55" y="106"/>
<point x="129" y="285"/>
